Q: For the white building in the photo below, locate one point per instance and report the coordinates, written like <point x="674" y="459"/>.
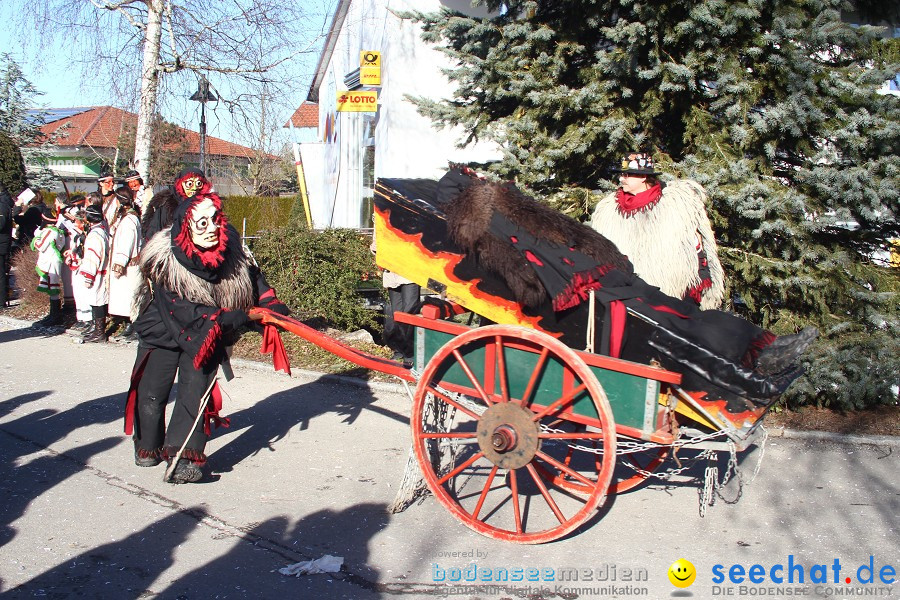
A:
<point x="355" y="148"/>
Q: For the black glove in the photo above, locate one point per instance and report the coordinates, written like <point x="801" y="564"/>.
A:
<point x="232" y="320"/>
<point x="279" y="307"/>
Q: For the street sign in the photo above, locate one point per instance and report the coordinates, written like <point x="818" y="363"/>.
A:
<point x="348" y="101"/>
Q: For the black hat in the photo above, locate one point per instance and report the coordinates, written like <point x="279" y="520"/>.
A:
<point x="93" y="214"/>
<point x="637" y="163"/>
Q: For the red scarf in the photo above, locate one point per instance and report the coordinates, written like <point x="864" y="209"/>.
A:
<point x="631" y="203"/>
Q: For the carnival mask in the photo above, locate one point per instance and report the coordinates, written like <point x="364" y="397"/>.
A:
<point x="204" y="223"/>
<point x="190" y="186"/>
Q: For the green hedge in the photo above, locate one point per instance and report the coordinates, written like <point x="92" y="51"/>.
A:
<point x="262" y="213"/>
<point x="317" y="273"/>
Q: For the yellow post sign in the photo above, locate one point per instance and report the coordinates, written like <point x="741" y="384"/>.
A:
<point x="369" y="67"/>
<point x="357" y="101"/>
<point x="370" y="58"/>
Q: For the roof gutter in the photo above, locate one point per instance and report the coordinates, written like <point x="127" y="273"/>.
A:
<point x="340" y="13"/>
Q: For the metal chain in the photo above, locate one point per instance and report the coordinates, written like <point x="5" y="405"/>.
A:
<point x="711" y="486"/>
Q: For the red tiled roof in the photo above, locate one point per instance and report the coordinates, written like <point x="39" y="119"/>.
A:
<point x="307" y="115"/>
<point x="102" y="126"/>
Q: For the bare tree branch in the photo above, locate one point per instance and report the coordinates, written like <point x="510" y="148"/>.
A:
<point x="247" y="43"/>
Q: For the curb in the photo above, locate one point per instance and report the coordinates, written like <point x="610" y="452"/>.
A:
<point x="399" y="388"/>
<point x="839" y="438"/>
<point x="381" y="386"/>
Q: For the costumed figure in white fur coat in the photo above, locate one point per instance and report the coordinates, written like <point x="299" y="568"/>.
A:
<point x="664" y="230"/>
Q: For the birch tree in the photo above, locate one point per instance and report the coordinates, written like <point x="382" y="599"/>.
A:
<point x="167" y="44"/>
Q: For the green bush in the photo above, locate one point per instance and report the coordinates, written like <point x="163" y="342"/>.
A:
<point x="262" y="213"/>
<point x="317" y="273"/>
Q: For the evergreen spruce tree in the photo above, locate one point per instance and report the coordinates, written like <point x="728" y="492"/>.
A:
<point x="771" y="105"/>
<point x="21" y="121"/>
<point x="12" y="167"/>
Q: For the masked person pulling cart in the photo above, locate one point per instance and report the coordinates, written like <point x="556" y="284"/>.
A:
<point x="199" y="285"/>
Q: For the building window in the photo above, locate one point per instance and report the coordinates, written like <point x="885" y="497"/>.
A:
<point x="368" y="170"/>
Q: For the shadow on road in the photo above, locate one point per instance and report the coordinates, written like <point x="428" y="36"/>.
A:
<point x="21" y="480"/>
<point x="11" y="335"/>
<point x="346" y="533"/>
<point x="120" y="569"/>
<point x="268" y="421"/>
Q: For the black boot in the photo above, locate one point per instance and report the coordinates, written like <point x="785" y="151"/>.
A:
<point x="98" y="334"/>
<point x="55" y="317"/>
<point x="784" y="352"/>
<point x="145" y="458"/>
<point x="127" y="334"/>
<point x="186" y="471"/>
<point x="87" y="329"/>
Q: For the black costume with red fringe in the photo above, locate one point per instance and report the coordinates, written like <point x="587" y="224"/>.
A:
<point x="193" y="304"/>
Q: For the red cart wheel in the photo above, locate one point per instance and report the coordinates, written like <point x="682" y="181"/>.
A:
<point x="492" y="406"/>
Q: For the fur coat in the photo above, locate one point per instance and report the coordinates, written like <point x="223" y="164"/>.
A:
<point x="180" y="309"/>
<point x="233" y="288"/>
<point x="661" y="240"/>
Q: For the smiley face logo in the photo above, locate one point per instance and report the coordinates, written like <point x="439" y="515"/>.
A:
<point x="682" y="573"/>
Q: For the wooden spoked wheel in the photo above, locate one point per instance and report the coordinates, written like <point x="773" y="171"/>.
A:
<point x="493" y="406"/>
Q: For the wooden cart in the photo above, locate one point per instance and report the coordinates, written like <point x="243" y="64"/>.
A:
<point x="516" y="432"/>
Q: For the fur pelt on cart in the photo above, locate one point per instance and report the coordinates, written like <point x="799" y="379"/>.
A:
<point x="473" y="211"/>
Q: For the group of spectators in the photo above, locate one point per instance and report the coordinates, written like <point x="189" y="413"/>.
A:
<point x="87" y="249"/>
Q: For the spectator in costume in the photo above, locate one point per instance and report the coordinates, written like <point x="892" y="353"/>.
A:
<point x="664" y="230"/>
<point x="126" y="276"/>
<point x="50" y="243"/>
<point x="199" y="285"/>
<point x="72" y="257"/>
<point x="135" y="183"/>
<point x="67" y="211"/>
<point x="109" y="200"/>
<point x="93" y="271"/>
<point x="28" y="216"/>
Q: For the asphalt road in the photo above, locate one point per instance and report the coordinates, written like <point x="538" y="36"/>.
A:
<point x="308" y="467"/>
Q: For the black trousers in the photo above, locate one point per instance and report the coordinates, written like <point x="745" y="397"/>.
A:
<point x="150" y="432"/>
<point x="399" y="336"/>
<point x="4" y="277"/>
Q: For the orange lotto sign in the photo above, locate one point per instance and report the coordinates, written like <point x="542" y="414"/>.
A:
<point x="357" y="101"/>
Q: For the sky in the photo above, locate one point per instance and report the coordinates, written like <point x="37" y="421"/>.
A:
<point x="69" y="80"/>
